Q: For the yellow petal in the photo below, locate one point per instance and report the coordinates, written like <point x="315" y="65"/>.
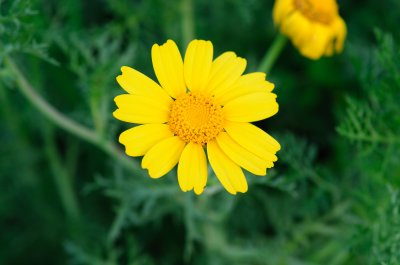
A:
<point x="305" y="35"/>
<point x="192" y="168"/>
<point x="330" y="48"/>
<point x="254" y="139"/>
<point x="140" y="109"/>
<point x="340" y="31"/>
<point x="140" y="139"/>
<point x="162" y="157"/>
<point x="298" y="28"/>
<point x="197" y="65"/>
<point x="282" y="8"/>
<point x="241" y="155"/>
<point x="251" y="107"/>
<point x="137" y="83"/>
<point x="168" y="67"/>
<point x="246" y="84"/>
<point x="225" y="70"/>
<point x="229" y="174"/>
<point x="317" y="44"/>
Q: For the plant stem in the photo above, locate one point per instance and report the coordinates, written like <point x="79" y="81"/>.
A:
<point x="388" y="139"/>
<point x="272" y="54"/>
<point x="67" y="124"/>
<point x="118" y="222"/>
<point x="62" y="179"/>
<point x="187" y="21"/>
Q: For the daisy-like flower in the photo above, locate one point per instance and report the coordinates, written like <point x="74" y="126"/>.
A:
<point x="314" y="26"/>
<point x="199" y="105"/>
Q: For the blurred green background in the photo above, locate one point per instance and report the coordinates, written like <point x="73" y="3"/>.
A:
<point x="74" y="198"/>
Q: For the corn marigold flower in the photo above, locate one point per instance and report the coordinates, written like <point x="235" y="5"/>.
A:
<point x="314" y="26"/>
<point x="201" y="104"/>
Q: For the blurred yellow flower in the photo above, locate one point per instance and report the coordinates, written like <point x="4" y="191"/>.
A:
<point x="201" y="104"/>
<point x="314" y="26"/>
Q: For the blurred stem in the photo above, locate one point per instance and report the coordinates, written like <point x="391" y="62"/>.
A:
<point x="75" y="11"/>
<point x="67" y="124"/>
<point x="118" y="221"/>
<point x="314" y="226"/>
<point x="388" y="139"/>
<point x="188" y="207"/>
<point x="13" y="121"/>
<point x="96" y="115"/>
<point x="272" y="54"/>
<point x="187" y="21"/>
<point x="61" y="177"/>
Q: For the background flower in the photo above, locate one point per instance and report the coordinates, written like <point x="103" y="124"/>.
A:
<point x="314" y="26"/>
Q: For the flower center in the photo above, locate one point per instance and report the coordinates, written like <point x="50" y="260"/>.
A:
<point x="322" y="11"/>
<point x="196" y="118"/>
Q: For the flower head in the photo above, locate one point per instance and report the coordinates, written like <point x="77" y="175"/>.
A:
<point x="314" y="26"/>
<point x="201" y="105"/>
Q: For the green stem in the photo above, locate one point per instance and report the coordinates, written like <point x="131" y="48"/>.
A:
<point x="389" y="139"/>
<point x="61" y="177"/>
<point x="67" y="124"/>
<point x="96" y="115"/>
<point x="272" y="54"/>
<point x="187" y="21"/>
<point x="13" y="121"/>
<point x="118" y="222"/>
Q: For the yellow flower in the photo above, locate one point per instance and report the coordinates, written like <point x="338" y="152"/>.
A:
<point x="201" y="104"/>
<point x="314" y="26"/>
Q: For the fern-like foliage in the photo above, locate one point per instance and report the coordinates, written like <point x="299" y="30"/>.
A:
<point x="18" y="32"/>
<point x="372" y="123"/>
<point x="375" y="119"/>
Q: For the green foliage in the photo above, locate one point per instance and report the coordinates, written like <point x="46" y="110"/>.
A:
<point x="17" y="30"/>
<point x="372" y="124"/>
<point x="69" y="196"/>
<point x="375" y="118"/>
<point x="95" y="59"/>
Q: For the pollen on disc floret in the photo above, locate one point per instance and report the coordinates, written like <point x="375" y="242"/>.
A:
<point x="196" y="118"/>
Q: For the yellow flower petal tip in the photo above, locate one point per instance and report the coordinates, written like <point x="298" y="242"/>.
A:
<point x="199" y="106"/>
<point x="314" y="26"/>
